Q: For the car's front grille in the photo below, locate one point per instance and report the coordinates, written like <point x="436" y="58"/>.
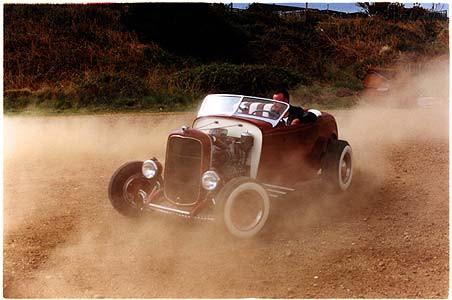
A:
<point x="183" y="170"/>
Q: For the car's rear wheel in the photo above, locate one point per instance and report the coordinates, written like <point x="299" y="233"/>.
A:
<point x="337" y="166"/>
<point x="243" y="207"/>
<point x="128" y="189"/>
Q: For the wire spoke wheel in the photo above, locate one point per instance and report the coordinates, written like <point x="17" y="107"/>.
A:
<point x="129" y="189"/>
<point x="135" y="190"/>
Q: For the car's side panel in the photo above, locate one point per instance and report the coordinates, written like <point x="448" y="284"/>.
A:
<point x="293" y="153"/>
<point x="284" y="152"/>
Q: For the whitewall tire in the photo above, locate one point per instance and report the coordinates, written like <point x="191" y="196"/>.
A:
<point x="338" y="165"/>
<point x="244" y="207"/>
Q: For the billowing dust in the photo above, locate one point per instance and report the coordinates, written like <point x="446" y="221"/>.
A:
<point x="60" y="167"/>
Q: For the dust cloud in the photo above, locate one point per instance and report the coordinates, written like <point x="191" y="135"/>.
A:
<point x="62" y="165"/>
<point x="51" y="151"/>
<point x="414" y="109"/>
<point x="103" y="135"/>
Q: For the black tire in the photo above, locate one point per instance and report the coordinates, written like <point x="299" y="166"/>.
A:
<point x="245" y="199"/>
<point x="125" y="186"/>
<point x="337" y="167"/>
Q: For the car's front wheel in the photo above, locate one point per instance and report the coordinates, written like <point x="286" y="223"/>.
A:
<point x="243" y="207"/>
<point x="128" y="189"/>
<point x="337" y="166"/>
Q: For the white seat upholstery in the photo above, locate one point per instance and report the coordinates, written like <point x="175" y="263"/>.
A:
<point x="261" y="108"/>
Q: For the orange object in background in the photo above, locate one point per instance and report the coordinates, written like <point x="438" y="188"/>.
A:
<point x="375" y="80"/>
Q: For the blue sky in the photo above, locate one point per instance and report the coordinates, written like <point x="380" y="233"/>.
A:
<point x="345" y="7"/>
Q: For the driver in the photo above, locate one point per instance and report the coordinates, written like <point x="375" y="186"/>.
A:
<point x="295" y="114"/>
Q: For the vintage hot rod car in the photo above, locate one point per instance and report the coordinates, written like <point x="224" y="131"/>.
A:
<point x="236" y="156"/>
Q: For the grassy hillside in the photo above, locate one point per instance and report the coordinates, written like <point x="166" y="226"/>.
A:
<point x="166" y="56"/>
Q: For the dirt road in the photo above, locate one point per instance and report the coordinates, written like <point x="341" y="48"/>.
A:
<point x="386" y="237"/>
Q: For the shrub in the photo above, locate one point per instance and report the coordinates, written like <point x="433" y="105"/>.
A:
<point x="240" y="79"/>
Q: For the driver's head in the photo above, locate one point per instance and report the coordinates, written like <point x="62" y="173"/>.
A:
<point x="281" y="95"/>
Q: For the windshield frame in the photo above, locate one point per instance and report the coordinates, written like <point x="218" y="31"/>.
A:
<point x="236" y="106"/>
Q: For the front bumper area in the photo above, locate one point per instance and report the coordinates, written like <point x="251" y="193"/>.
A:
<point x="158" y="202"/>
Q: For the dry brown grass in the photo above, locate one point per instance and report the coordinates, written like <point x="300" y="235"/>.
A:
<point x="43" y="48"/>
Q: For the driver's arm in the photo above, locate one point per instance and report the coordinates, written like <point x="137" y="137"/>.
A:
<point x="302" y="116"/>
<point x="309" y="117"/>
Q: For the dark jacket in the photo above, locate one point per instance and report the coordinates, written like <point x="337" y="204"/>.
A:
<point x="296" y="112"/>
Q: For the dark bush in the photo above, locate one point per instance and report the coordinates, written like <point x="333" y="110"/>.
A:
<point x="256" y="80"/>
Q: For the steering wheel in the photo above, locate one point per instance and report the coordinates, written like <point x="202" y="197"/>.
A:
<point x="272" y="114"/>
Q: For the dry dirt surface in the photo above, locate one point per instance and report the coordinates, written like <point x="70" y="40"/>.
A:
<point x="385" y="237"/>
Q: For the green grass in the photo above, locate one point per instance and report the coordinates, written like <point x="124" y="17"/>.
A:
<point x="57" y="101"/>
<point x="146" y="104"/>
<point x="315" y="96"/>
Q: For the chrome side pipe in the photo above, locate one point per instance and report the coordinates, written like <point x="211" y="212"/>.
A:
<point x="177" y="212"/>
<point x="168" y="209"/>
<point x="276" y="191"/>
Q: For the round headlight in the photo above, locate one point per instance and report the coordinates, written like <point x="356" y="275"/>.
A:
<point x="210" y="180"/>
<point x="149" y="169"/>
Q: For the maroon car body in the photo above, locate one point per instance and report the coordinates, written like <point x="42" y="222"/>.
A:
<point x="290" y="154"/>
<point x="237" y="149"/>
